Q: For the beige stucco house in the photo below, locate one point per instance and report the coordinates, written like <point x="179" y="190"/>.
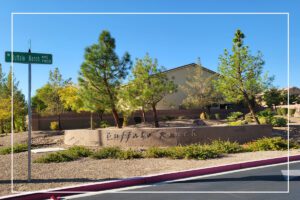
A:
<point x="179" y="76"/>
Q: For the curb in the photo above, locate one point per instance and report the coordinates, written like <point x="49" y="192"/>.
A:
<point x="148" y="179"/>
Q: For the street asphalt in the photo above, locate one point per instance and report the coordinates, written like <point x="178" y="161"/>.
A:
<point x="271" y="179"/>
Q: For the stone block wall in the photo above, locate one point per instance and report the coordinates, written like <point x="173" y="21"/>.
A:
<point x="163" y="137"/>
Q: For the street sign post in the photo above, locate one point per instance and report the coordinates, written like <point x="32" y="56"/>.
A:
<point x="28" y="58"/>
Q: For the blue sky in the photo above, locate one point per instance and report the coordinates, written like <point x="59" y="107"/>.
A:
<point x="173" y="39"/>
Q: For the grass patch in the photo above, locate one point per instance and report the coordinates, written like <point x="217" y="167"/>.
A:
<point x="16" y="149"/>
<point x="216" y="149"/>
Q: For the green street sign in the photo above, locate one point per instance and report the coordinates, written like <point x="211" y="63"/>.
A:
<point x="33" y="58"/>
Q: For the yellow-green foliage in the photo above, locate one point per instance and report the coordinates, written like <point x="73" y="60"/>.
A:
<point x="157" y="152"/>
<point x="104" y="124"/>
<point x="248" y="118"/>
<point x="264" y="120"/>
<point x="201" y="152"/>
<point x="237" y="123"/>
<point x="270" y="144"/>
<point x="54" y="126"/>
<point x="129" y="154"/>
<point x="227" y="146"/>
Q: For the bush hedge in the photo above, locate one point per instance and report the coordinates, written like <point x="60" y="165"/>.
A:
<point x="63" y="156"/>
<point x="279" y="122"/>
<point x="269" y="144"/>
<point x="216" y="149"/>
<point x="71" y="154"/>
<point x="227" y="146"/>
<point x="156" y="152"/>
<point x="129" y="154"/>
<point x="107" y="152"/>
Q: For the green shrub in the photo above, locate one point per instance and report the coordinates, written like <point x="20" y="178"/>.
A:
<point x="264" y="120"/>
<point x="203" y="115"/>
<point x="268" y="144"/>
<point x="218" y="116"/>
<point x="266" y="113"/>
<point x="107" y="152"/>
<point x="278" y="111"/>
<point x="54" y="126"/>
<point x="104" y="124"/>
<point x="129" y="154"/>
<point x="226" y="146"/>
<point x="292" y="112"/>
<point x="80" y="151"/>
<point x="63" y="156"/>
<point x="237" y="123"/>
<point x="177" y="152"/>
<point x="16" y="149"/>
<point x="70" y="154"/>
<point x="284" y="111"/>
<point x="155" y="152"/>
<point x="233" y="116"/>
<point x="5" y="150"/>
<point x="248" y="118"/>
<point x="279" y="122"/>
<point x="201" y="152"/>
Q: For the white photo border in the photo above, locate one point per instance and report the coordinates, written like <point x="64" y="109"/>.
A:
<point x="287" y="14"/>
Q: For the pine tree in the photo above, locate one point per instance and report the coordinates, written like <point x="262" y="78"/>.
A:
<point x="241" y="74"/>
<point x="103" y="71"/>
